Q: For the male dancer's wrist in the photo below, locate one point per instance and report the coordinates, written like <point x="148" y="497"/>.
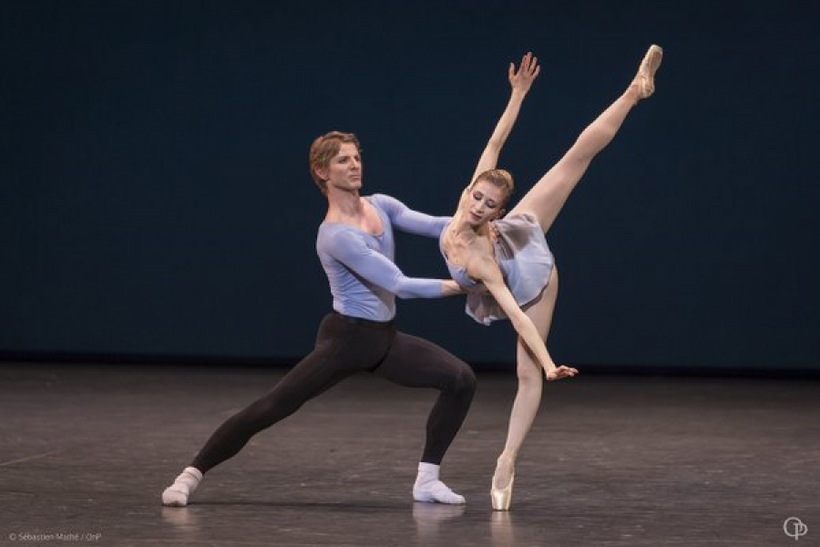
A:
<point x="450" y="288"/>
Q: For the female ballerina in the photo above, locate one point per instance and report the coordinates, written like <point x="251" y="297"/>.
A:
<point x="510" y="255"/>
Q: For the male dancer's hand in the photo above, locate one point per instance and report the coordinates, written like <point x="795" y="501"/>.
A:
<point x="478" y="288"/>
<point x="493" y="232"/>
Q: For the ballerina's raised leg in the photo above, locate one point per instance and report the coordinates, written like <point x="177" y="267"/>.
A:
<point x="548" y="196"/>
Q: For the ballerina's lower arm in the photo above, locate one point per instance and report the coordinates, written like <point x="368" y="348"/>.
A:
<point x="486" y="270"/>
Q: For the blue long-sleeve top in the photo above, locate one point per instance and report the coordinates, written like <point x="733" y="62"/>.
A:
<point x="364" y="280"/>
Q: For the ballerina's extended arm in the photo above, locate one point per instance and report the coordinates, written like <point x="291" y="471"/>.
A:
<point x="520" y="81"/>
<point x="482" y="267"/>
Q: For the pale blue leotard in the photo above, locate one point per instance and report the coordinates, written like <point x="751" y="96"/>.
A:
<point x="524" y="258"/>
<point x="363" y="279"/>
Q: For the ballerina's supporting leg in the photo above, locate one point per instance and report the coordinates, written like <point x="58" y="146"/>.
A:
<point x="527" y="398"/>
<point x="550" y="193"/>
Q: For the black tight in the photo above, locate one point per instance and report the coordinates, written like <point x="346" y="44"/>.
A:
<point x="345" y="347"/>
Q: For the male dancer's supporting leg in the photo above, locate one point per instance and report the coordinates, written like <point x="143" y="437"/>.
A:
<point x="415" y="362"/>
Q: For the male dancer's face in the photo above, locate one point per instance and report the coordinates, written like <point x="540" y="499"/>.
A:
<point x="344" y="171"/>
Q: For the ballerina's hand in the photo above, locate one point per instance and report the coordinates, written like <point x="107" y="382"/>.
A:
<point x="528" y="70"/>
<point x="561" y="372"/>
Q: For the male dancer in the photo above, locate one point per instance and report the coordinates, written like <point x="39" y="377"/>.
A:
<point x="355" y="246"/>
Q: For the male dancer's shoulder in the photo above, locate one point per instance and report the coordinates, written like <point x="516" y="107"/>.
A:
<point x="388" y="204"/>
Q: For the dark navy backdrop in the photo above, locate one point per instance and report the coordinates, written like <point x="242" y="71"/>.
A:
<point x="155" y="199"/>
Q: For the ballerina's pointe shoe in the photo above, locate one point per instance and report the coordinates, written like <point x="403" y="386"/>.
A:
<point x="646" y="72"/>
<point x="502" y="497"/>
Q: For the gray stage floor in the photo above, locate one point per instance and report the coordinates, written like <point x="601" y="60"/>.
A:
<point x="85" y="452"/>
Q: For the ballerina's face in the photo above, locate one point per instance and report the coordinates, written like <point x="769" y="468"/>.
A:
<point x="484" y="203"/>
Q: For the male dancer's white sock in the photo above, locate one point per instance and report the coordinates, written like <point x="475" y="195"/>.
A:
<point x="184" y="485"/>
<point x="429" y="488"/>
